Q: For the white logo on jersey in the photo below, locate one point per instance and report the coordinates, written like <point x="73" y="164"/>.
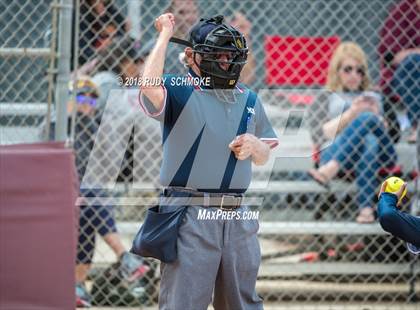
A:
<point x="251" y="110"/>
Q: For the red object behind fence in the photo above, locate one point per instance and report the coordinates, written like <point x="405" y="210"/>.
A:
<point x="298" y="61"/>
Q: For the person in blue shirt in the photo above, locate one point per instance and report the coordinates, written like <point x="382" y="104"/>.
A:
<point x="208" y="156"/>
<point x="398" y="223"/>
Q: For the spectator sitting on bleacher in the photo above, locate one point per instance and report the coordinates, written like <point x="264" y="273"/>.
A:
<point x="348" y="116"/>
<point x="399" y="51"/>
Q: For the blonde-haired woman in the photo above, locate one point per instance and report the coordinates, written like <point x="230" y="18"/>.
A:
<point x="347" y="121"/>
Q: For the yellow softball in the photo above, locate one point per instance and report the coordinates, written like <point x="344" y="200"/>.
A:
<point x="393" y="185"/>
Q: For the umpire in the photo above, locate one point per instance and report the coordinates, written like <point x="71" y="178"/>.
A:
<point x="207" y="159"/>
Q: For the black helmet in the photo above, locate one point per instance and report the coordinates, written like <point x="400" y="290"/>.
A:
<point x="209" y="38"/>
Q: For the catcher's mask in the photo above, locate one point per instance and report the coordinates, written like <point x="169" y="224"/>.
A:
<point x="212" y="40"/>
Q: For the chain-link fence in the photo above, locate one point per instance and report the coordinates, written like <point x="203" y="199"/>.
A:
<point x="24" y="60"/>
<point x="320" y="243"/>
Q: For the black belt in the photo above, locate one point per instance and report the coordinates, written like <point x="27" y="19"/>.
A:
<point x="224" y="201"/>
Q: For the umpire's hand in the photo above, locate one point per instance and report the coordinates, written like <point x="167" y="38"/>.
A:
<point x="165" y="23"/>
<point x="243" y="146"/>
<point x="248" y="145"/>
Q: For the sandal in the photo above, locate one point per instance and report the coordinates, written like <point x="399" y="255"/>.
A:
<point x="319" y="178"/>
<point x="366" y="215"/>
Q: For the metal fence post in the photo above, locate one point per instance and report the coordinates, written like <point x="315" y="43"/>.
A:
<point x="63" y="67"/>
<point x="412" y="297"/>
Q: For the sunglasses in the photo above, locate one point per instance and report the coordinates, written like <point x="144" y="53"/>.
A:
<point x="83" y="99"/>
<point x="359" y="70"/>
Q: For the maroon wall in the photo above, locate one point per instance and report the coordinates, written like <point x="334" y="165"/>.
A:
<point x="38" y="188"/>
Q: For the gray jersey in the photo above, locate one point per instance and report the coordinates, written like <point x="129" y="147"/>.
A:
<point x="197" y="128"/>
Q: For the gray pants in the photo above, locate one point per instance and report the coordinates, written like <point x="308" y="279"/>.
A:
<point x="217" y="259"/>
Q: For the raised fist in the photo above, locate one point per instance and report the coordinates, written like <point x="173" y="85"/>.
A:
<point x="165" y="23"/>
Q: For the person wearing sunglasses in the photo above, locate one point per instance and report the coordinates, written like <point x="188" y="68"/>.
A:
<point x="347" y="124"/>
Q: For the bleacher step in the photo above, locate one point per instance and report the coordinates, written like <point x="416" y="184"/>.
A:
<point x="294" y="153"/>
<point x="332" y="268"/>
<point x="309" y="187"/>
<point x="259" y="186"/>
<point x="279" y="286"/>
<point x="292" y="228"/>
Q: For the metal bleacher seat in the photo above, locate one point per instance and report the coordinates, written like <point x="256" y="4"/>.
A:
<point x="20" y="121"/>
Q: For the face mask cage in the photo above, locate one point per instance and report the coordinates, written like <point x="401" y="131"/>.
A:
<point x="223" y="40"/>
<point x="223" y="45"/>
<point x="234" y="60"/>
<point x="232" y="57"/>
